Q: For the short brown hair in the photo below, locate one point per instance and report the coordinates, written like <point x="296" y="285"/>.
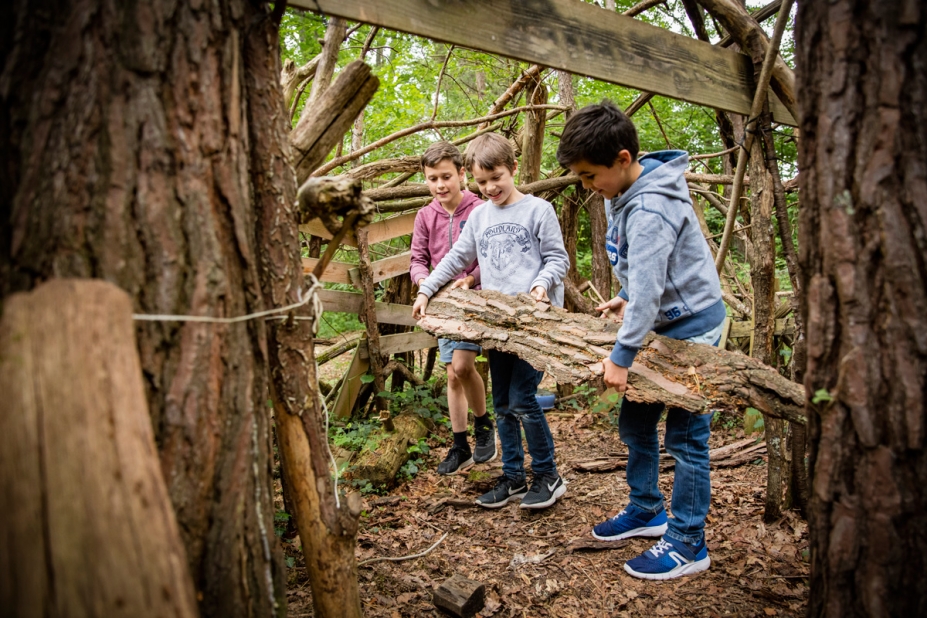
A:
<point x="439" y="151"/>
<point x="489" y="151"/>
<point x="596" y="134"/>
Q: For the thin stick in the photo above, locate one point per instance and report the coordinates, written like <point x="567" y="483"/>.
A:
<point x="758" y="101"/>
<point x="401" y="558"/>
<point x="450" y="50"/>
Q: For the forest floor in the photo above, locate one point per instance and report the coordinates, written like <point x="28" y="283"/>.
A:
<point x="533" y="563"/>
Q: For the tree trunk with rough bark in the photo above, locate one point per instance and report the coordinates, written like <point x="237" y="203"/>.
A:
<point x="863" y="254"/>
<point x="127" y="157"/>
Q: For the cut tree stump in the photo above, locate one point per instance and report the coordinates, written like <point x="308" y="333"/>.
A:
<point x="571" y="347"/>
<point x="87" y="528"/>
<point x="460" y="596"/>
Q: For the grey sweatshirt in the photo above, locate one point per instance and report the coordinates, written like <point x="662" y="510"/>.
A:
<point x="518" y="246"/>
<point x="660" y="257"/>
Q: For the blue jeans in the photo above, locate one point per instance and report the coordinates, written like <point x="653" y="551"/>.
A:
<point x="687" y="442"/>
<point x="514" y="386"/>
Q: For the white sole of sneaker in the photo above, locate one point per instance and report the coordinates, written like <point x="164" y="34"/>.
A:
<point x="543" y="505"/>
<point x="460" y="468"/>
<point x="682" y="570"/>
<point x="652" y="531"/>
<point x="499" y="505"/>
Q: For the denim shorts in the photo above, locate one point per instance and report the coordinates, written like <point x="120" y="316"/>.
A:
<point x="446" y="348"/>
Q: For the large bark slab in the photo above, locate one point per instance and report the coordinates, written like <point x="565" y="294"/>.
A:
<point x="571" y="346"/>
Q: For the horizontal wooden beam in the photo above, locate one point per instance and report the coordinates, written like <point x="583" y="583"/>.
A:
<point x="577" y="37"/>
<point x="335" y="272"/>
<point x="387" y="268"/>
<point x="349" y="302"/>
<point x="784" y="326"/>
<point x="399" y="343"/>
<point x="379" y="231"/>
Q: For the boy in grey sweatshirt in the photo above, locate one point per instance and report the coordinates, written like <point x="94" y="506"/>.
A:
<point x="517" y="240"/>
<point x="669" y="285"/>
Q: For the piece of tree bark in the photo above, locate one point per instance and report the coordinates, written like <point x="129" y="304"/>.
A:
<point x="862" y="231"/>
<point x="571" y="346"/>
<point x="129" y="158"/>
<point x="460" y="596"/>
<point x="88" y="528"/>
<point x="334" y="36"/>
<point x="380" y="464"/>
<point x="532" y="145"/>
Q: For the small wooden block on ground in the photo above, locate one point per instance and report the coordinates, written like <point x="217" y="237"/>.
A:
<point x="460" y="596"/>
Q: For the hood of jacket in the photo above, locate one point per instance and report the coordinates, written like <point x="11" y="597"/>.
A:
<point x="664" y="178"/>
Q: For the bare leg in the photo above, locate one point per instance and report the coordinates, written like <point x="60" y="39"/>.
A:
<point x="456" y="400"/>
<point x="471" y="384"/>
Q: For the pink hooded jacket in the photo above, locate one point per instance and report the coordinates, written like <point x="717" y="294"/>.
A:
<point x="434" y="234"/>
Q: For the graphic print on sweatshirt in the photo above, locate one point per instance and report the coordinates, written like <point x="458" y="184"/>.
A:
<point x="503" y="247"/>
<point x="613" y="246"/>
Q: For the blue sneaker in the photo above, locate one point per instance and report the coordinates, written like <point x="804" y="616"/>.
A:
<point x="669" y="559"/>
<point x="632" y="521"/>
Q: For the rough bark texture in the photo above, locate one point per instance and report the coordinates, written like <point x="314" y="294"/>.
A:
<point x="87" y="527"/>
<point x="326" y="527"/>
<point x="863" y="252"/>
<point x="571" y="346"/>
<point x="380" y="463"/>
<point x="532" y="146"/>
<point x="126" y="157"/>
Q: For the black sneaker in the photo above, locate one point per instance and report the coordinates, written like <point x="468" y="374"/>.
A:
<point x="485" y="444"/>
<point x="545" y="490"/>
<point x="457" y="459"/>
<point x="506" y="489"/>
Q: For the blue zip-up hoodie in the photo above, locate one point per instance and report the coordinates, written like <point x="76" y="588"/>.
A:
<point x="660" y="257"/>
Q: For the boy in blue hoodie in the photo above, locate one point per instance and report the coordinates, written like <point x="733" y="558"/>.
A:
<point x="669" y="285"/>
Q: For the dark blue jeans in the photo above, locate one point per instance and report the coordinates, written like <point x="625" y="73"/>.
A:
<point x="514" y="386"/>
<point x="687" y="442"/>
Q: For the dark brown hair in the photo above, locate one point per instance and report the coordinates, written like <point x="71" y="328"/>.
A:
<point x="596" y="134"/>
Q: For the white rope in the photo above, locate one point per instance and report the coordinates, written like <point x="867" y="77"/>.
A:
<point x="310" y="296"/>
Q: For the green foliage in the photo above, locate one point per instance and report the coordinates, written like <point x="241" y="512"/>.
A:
<point x="281" y="518"/>
<point x="420" y="400"/>
<point x="354" y="435"/>
<point x="822" y="395"/>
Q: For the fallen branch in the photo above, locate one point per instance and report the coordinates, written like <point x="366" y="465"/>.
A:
<point x="401" y="558"/>
<point x="571" y="346"/>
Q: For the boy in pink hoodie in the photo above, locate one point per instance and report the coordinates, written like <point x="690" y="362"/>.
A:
<point x="437" y="228"/>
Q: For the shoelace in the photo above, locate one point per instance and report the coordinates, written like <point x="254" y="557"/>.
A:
<point x="660" y="547"/>
<point x="619" y="515"/>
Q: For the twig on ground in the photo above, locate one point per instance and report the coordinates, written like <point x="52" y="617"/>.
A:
<point x="401" y="558"/>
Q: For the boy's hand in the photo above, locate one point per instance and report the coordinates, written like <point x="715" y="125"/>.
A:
<point x="615" y="376"/>
<point x="465" y="283"/>
<point x="418" y="309"/>
<point x="539" y="294"/>
<point x="420" y="281"/>
<point x="613" y="309"/>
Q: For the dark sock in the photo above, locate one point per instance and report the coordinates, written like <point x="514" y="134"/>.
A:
<point x="482" y="421"/>
<point x="460" y="440"/>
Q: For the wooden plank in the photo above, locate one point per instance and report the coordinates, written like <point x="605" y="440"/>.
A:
<point x="386" y="268"/>
<point x="401" y="342"/>
<point x="387" y="229"/>
<point x="577" y="37"/>
<point x="317" y="228"/>
<point x="336" y="272"/>
<point x="344" y="402"/>
<point x="349" y="302"/>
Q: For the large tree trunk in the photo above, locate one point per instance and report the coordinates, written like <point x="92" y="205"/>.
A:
<point x="127" y="157"/>
<point x="87" y="526"/>
<point x="863" y="226"/>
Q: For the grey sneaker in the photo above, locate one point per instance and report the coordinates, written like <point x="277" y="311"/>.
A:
<point x="545" y="490"/>
<point x="505" y="490"/>
<point x="485" y="444"/>
<point x="457" y="459"/>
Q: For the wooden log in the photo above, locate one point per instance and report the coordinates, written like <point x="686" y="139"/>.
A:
<point x="460" y="596"/>
<point x="331" y="116"/>
<point x="87" y="526"/>
<point x="380" y="464"/>
<point x="571" y="346"/>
